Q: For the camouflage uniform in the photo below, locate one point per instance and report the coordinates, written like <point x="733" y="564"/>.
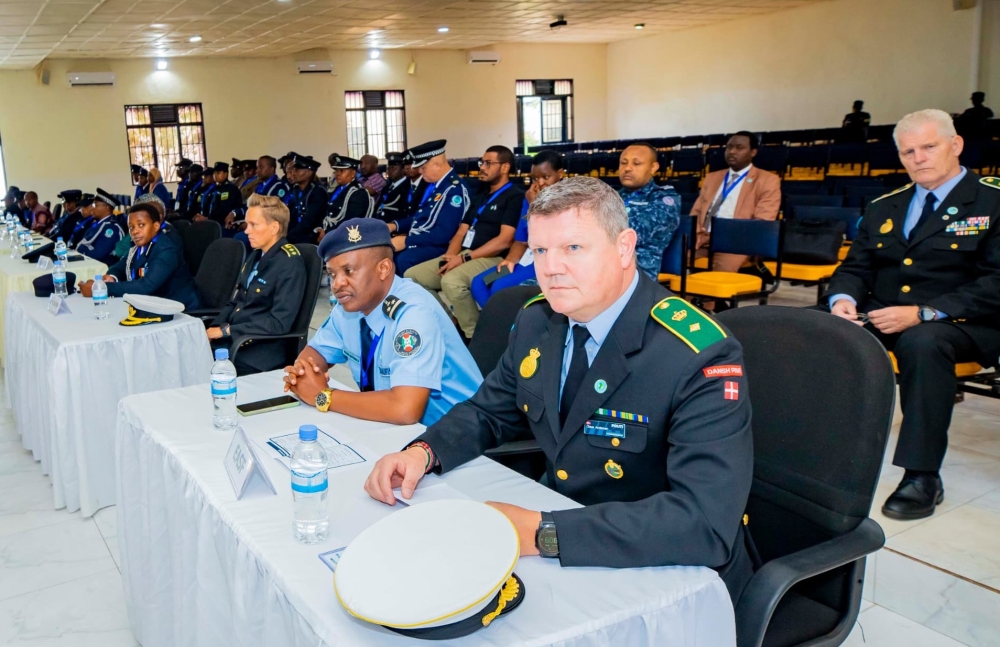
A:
<point x="655" y="213"/>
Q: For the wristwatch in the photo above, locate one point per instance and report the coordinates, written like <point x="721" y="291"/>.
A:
<point x="466" y="257"/>
<point x="926" y="313"/>
<point x="323" y="400"/>
<point x="546" y="539"/>
<point x="224" y="328"/>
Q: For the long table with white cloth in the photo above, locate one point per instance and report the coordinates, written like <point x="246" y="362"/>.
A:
<point x="66" y="373"/>
<point x="202" y="568"/>
<point x="17" y="274"/>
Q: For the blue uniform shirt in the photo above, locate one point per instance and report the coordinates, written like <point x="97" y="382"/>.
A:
<point x="100" y="240"/>
<point x="417" y="346"/>
<point x="439" y="214"/>
<point x="654" y="212"/>
<point x="521" y="234"/>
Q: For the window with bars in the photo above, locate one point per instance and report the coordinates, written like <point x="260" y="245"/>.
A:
<point x="544" y="112"/>
<point x="376" y="122"/>
<point x="160" y="135"/>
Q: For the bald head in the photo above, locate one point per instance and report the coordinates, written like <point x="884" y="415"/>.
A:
<point x="637" y="166"/>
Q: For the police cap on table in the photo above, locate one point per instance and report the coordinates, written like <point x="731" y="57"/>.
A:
<point x="356" y="233"/>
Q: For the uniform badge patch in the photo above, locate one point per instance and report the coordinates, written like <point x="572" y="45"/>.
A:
<point x="406" y="343"/>
<point x="108" y="233"/>
<point x="886" y="227"/>
<point x="281" y="193"/>
<point x="613" y="469"/>
<point x="732" y="391"/>
<point x="668" y="201"/>
<point x="530" y="363"/>
<point x="600" y="386"/>
<point x="456" y="201"/>
<point x="724" y="370"/>
<point x="354" y="234"/>
<point x="437" y="197"/>
<point x="224" y="196"/>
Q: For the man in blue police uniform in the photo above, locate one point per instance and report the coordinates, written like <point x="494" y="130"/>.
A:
<point x="268" y="184"/>
<point x="348" y="199"/>
<point x="205" y="191"/>
<point x="925" y="269"/>
<point x="428" y="232"/>
<point x="636" y="397"/>
<point x="140" y="176"/>
<point x="224" y="198"/>
<point x="99" y="240"/>
<point x="307" y="201"/>
<point x="71" y="215"/>
<point x="415" y="184"/>
<point x="183" y="183"/>
<point x="83" y="224"/>
<point x="401" y="347"/>
<point x="394" y="200"/>
<point x="653" y="211"/>
<point x="192" y="196"/>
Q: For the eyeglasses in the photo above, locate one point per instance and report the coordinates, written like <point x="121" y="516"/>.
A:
<point x="486" y="164"/>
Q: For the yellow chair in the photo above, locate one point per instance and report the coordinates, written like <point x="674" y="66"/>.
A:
<point x="756" y="238"/>
<point x="964" y="369"/>
<point x="842" y="254"/>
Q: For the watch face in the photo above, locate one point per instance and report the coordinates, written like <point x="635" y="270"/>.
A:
<point x="926" y="314"/>
<point x="321" y="399"/>
<point x="548" y="542"/>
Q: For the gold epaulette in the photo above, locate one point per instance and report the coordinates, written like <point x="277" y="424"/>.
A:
<point x="290" y="250"/>
<point x="688" y="323"/>
<point x="534" y="299"/>
<point x="899" y="190"/>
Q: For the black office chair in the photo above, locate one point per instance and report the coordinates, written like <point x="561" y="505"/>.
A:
<point x="821" y="419"/>
<point x="217" y="276"/>
<point x="489" y="341"/>
<point x="197" y="238"/>
<point x="297" y="337"/>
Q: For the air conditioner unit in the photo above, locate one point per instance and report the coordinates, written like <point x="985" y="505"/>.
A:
<point x="491" y="58"/>
<point x="90" y="78"/>
<point x="315" y="67"/>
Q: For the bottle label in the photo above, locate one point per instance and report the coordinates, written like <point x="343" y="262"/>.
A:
<point x="221" y="387"/>
<point x="100" y="299"/>
<point x="58" y="279"/>
<point x="309" y="483"/>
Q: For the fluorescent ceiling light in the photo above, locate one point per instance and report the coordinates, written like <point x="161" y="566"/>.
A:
<point x="640" y="25"/>
<point x="161" y="64"/>
<point x="442" y="30"/>
<point x="195" y="39"/>
<point x="374" y="53"/>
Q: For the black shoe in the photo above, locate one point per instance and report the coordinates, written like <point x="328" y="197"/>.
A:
<point x="915" y="498"/>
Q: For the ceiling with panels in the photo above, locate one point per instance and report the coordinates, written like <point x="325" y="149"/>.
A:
<point x="33" y="30"/>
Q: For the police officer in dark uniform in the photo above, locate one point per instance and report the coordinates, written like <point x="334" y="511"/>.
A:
<point x="854" y="130"/>
<point x="104" y="232"/>
<point x="268" y="184"/>
<point x="71" y="215"/>
<point x="416" y="183"/>
<point x="140" y="176"/>
<point x="348" y="199"/>
<point x="86" y="219"/>
<point x="182" y="184"/>
<point x="307" y="203"/>
<point x="394" y="201"/>
<point x="268" y="293"/>
<point x="192" y="196"/>
<point x="924" y="271"/>
<point x="636" y="398"/>
<point x="223" y="199"/>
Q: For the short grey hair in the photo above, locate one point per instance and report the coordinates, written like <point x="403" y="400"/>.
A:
<point x="945" y="124"/>
<point x="589" y="193"/>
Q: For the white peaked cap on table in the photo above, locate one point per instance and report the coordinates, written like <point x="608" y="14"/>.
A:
<point x="432" y="565"/>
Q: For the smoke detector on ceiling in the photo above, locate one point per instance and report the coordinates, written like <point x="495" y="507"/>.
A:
<point x="558" y="24"/>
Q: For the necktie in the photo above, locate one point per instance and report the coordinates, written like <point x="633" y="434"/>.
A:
<point x="367" y="383"/>
<point x="925" y="215"/>
<point x="577" y="370"/>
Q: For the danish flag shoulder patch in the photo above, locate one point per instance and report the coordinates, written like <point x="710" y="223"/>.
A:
<point x="725" y="370"/>
<point x="732" y="391"/>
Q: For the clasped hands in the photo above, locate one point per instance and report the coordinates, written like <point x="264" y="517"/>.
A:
<point x="889" y="321"/>
<point x="305" y="380"/>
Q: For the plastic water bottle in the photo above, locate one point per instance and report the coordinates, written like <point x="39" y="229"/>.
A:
<point x="29" y="242"/>
<point x="62" y="253"/>
<point x="309" y="488"/>
<point x="100" y="293"/>
<point x="223" y="391"/>
<point x="59" y="279"/>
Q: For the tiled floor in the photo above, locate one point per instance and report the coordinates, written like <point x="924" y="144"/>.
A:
<point x="936" y="584"/>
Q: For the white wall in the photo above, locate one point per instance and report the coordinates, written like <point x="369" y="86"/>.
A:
<point x="794" y="69"/>
<point x="56" y="137"/>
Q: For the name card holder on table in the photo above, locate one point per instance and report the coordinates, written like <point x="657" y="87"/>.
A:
<point x="58" y="306"/>
<point x="44" y="264"/>
<point x="242" y="464"/>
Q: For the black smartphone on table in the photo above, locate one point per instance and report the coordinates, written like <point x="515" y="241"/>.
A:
<point x="271" y="404"/>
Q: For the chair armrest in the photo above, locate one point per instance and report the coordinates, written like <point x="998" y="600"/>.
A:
<point x="769" y="584"/>
<point x="239" y="341"/>
<point x="515" y="447"/>
<point x="201" y="313"/>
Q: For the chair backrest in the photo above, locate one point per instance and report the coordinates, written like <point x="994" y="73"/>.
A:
<point x="883" y="156"/>
<point x="689" y="160"/>
<point x="772" y="158"/>
<point x="673" y="256"/>
<point x="850" y="215"/>
<point x="314" y="270"/>
<point x="748" y="237"/>
<point x="821" y="419"/>
<point x="197" y="238"/>
<point x="489" y="341"/>
<point x="219" y="271"/>
<point x="815" y="200"/>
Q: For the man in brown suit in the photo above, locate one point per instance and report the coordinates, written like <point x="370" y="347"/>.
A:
<point x="741" y="191"/>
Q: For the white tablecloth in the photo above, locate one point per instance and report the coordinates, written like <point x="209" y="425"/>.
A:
<point x="203" y="569"/>
<point x="66" y="374"/>
<point x="16" y="275"/>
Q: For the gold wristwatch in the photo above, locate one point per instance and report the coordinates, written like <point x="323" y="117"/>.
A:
<point x="323" y="400"/>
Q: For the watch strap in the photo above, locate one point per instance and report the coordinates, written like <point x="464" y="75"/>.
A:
<point x="323" y="408"/>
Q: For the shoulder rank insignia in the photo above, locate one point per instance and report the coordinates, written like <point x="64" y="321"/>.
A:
<point x="290" y="250"/>
<point x="534" y="299"/>
<point x="391" y="306"/>
<point x="899" y="190"/>
<point x="990" y="181"/>
<point x="687" y="323"/>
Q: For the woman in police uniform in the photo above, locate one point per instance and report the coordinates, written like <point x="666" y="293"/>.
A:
<point x="154" y="265"/>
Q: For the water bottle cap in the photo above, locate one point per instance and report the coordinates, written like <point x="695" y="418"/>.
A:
<point x="221" y="353"/>
<point x="59" y="239"/>
<point x="307" y="432"/>
<point x="97" y="277"/>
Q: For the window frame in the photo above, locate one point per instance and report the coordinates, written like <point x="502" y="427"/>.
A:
<point x="366" y="113"/>
<point x="568" y="115"/>
<point x="169" y="174"/>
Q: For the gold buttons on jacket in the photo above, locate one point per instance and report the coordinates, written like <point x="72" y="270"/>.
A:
<point x="615" y="442"/>
<point x="907" y="261"/>
<point x="879" y="245"/>
<point x="905" y="289"/>
<point x="562" y="475"/>
<point x="526" y="408"/>
<point x="954" y="245"/>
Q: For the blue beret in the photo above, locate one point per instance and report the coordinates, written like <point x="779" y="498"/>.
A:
<point x="356" y="233"/>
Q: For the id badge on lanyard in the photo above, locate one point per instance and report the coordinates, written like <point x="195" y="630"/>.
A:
<point x="527" y="258"/>
<point x="469" y="236"/>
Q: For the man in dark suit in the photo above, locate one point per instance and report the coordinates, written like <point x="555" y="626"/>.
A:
<point x="924" y="270"/>
<point x="636" y="397"/>
<point x="394" y="201"/>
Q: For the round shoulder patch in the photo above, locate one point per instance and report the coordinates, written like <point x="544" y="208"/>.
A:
<point x="281" y="193"/>
<point x="406" y="343"/>
<point x="109" y="233"/>
<point x="668" y="200"/>
<point x="456" y="200"/>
